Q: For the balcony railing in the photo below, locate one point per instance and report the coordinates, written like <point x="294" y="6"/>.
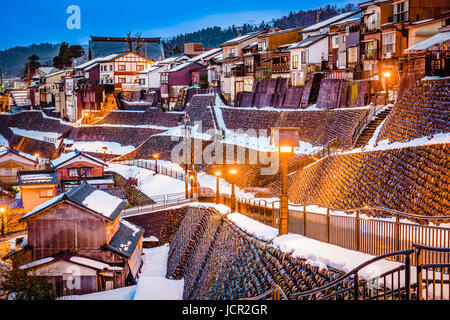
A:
<point x="263" y="73"/>
<point x="281" y="68"/>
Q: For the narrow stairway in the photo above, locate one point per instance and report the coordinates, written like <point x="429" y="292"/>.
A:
<point x="368" y="132"/>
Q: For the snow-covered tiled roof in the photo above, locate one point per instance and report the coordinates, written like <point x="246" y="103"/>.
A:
<point x="330" y="21"/>
<point x="307" y="41"/>
<point x="428" y="43"/>
<point x="180" y="67"/>
<point x="69" y="156"/>
<point x="126" y="239"/>
<point x="205" y="55"/>
<point x="89" y="197"/>
<point x="38" y="177"/>
<point x="242" y="38"/>
<point x="97" y="60"/>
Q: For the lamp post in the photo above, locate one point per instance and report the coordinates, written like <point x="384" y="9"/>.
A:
<point x="105" y="149"/>
<point x="37" y="160"/>
<point x="285" y="140"/>
<point x="191" y="193"/>
<point x="233" y="173"/>
<point x="387" y="77"/>
<point x="2" y="213"/>
<point x="186" y="120"/>
<point x="156" y="157"/>
<point x="218" y="174"/>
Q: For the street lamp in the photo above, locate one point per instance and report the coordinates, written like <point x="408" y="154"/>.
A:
<point x="233" y="172"/>
<point x="156" y="157"/>
<point x="37" y="155"/>
<point x="284" y="140"/>
<point x="218" y="174"/>
<point x="192" y="177"/>
<point x="387" y="76"/>
<point x="2" y="213"/>
<point x="105" y="149"/>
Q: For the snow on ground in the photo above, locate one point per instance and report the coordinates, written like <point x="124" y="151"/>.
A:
<point x="3" y="141"/>
<point x="440" y="138"/>
<point x="253" y="227"/>
<point x="150" y="184"/>
<point x="51" y="137"/>
<point x="152" y="284"/>
<point x="102" y="202"/>
<point x="97" y="147"/>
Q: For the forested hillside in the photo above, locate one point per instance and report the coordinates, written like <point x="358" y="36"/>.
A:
<point x="12" y="61"/>
<point x="214" y="36"/>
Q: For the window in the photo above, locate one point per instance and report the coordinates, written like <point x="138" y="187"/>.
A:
<point x="295" y="62"/>
<point x="389" y="42"/>
<point x="401" y="11"/>
<point x="232" y="52"/>
<point x="164" y="78"/>
<point x="335" y="42"/>
<point x="142" y="82"/>
<point x="73" y="173"/>
<point x="249" y="66"/>
<point x="122" y="67"/>
<point x="353" y="55"/>
<point x="304" y="57"/>
<point x="122" y="80"/>
<point x="139" y="67"/>
<point x="46" y="193"/>
<point x="110" y="67"/>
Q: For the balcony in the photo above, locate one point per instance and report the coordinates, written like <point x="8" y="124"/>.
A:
<point x="263" y="73"/>
<point x="401" y="17"/>
<point x="370" y="27"/>
<point x="281" y="68"/>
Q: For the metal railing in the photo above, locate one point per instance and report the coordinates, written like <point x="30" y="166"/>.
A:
<point x="364" y="122"/>
<point x="394" y="284"/>
<point x="379" y="231"/>
<point x="150" y="165"/>
<point x="327" y="150"/>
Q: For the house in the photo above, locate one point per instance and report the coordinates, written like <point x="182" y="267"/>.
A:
<point x="13" y="161"/>
<point x="79" y="242"/>
<point x="51" y="89"/>
<point x="272" y="59"/>
<point x="150" y="78"/>
<point x="76" y="166"/>
<point x="37" y="187"/>
<point x="232" y="80"/>
<point x="308" y="56"/>
<point x="180" y="77"/>
<point x="126" y="68"/>
<point x="421" y="30"/>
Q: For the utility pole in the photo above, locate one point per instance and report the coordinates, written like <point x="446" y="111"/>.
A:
<point x="186" y="152"/>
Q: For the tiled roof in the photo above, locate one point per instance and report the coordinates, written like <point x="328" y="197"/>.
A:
<point x="69" y="156"/>
<point x="126" y="239"/>
<point x="37" y="177"/>
<point x="88" y="197"/>
<point x="308" y="41"/>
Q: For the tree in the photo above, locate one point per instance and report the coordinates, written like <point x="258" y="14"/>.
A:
<point x="67" y="54"/>
<point x="31" y="66"/>
<point x="177" y="50"/>
<point x="17" y="284"/>
<point x="9" y="216"/>
<point x="135" y="44"/>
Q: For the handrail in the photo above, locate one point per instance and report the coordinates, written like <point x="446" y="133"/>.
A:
<point x="275" y="288"/>
<point x="363" y="123"/>
<point x="354" y="271"/>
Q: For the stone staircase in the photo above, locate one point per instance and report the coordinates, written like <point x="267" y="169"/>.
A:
<point x="368" y="132"/>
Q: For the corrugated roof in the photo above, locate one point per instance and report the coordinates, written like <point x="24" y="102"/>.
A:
<point x="308" y="41"/>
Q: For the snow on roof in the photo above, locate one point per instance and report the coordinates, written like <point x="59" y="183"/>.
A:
<point x="55" y="73"/>
<point x="328" y="22"/>
<point x="23" y="154"/>
<point x="180" y="67"/>
<point x="307" y="41"/>
<point x="90" y="263"/>
<point x="151" y="69"/>
<point x="45" y="205"/>
<point x="241" y="38"/>
<point x="38" y="177"/>
<point x="205" y="55"/>
<point x="102" y="202"/>
<point x="46" y="70"/>
<point x="428" y="43"/>
<point x="68" y="156"/>
<point x="37" y="263"/>
<point x="97" y="60"/>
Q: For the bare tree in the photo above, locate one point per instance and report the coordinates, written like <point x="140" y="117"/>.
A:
<point x="135" y="44"/>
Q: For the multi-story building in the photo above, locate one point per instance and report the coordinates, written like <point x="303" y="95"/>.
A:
<point x="232" y="78"/>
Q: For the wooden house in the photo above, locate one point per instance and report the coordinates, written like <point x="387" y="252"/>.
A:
<point x="76" y="166"/>
<point x="79" y="242"/>
<point x="13" y="161"/>
<point x="180" y="77"/>
<point x="37" y="187"/>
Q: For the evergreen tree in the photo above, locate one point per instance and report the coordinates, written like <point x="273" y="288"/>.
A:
<point x="31" y="66"/>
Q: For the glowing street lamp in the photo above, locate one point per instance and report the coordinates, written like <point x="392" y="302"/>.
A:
<point x="105" y="149"/>
<point x="218" y="174"/>
<point x="284" y="140"/>
<point x="387" y="76"/>
<point x="233" y="173"/>
<point x="2" y="213"/>
<point x="156" y="157"/>
<point x="37" y="156"/>
<point x="192" y="178"/>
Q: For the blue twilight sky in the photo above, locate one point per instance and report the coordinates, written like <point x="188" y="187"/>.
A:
<point x="29" y="21"/>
